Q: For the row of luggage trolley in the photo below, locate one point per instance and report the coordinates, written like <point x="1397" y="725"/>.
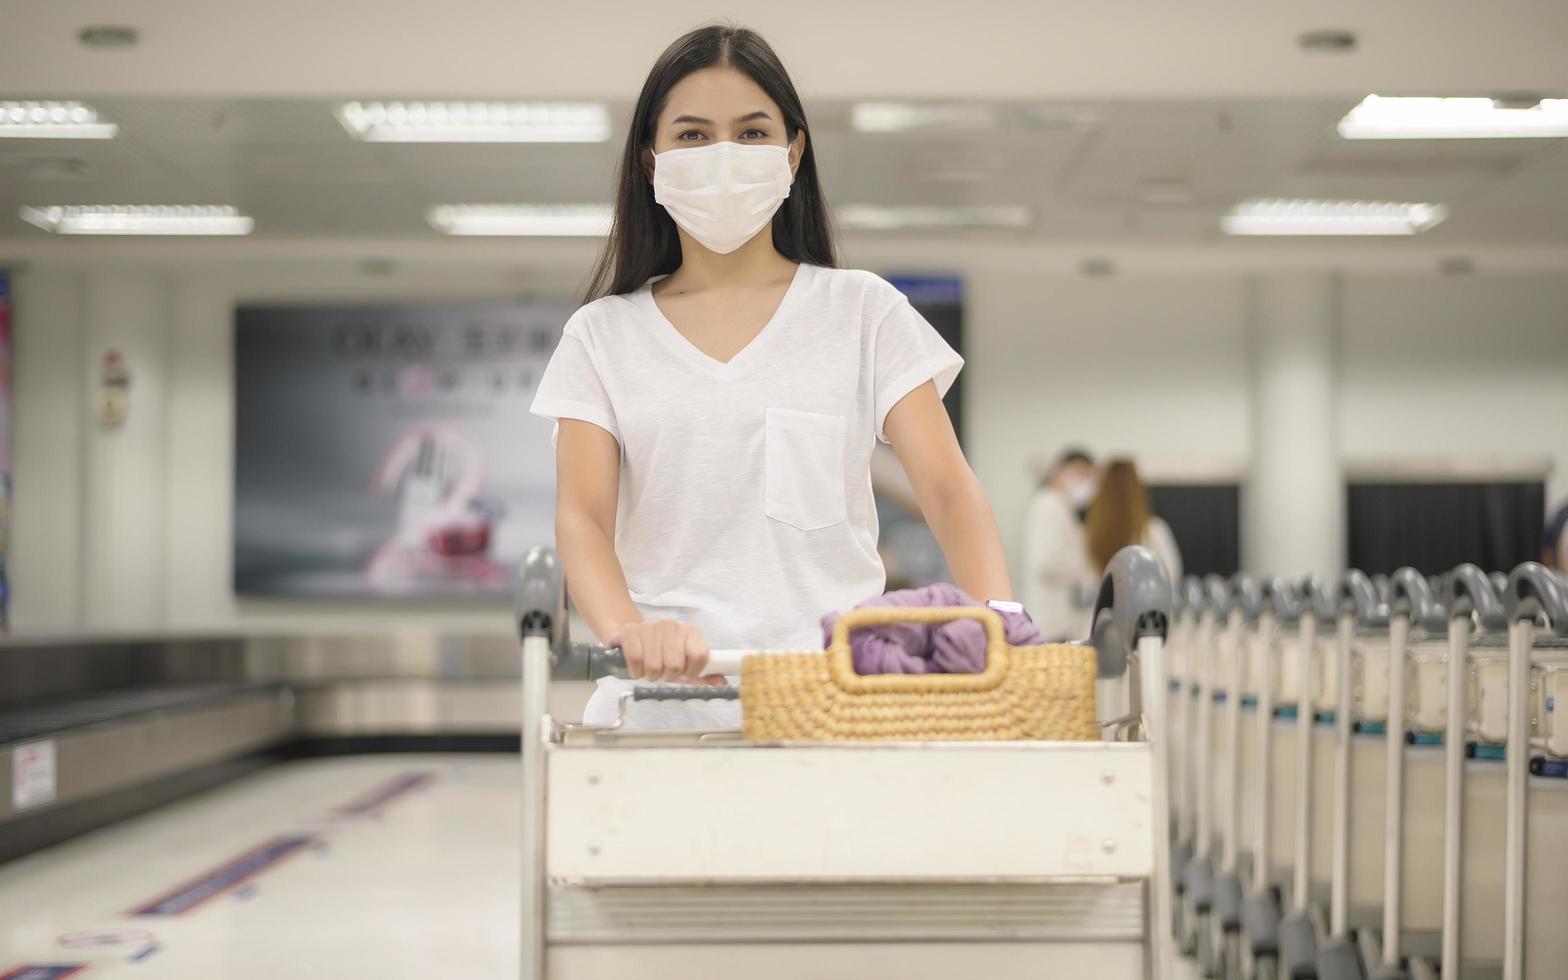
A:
<point x="679" y="854"/>
<point x="1370" y="779"/>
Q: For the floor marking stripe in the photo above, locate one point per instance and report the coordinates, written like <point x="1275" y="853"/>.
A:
<point x="382" y="795"/>
<point x="226" y="877"/>
<point x="140" y="955"/>
<point x="42" y="972"/>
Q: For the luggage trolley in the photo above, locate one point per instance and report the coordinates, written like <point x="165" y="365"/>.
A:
<point x="1413" y="781"/>
<point x="1300" y="679"/>
<point x="1535" y="942"/>
<point x="1198" y="874"/>
<point x="1232" y="751"/>
<point x="1445" y="701"/>
<point x="1190" y="603"/>
<point x="660" y="854"/>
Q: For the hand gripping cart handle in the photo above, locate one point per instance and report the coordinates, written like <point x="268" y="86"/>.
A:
<point x="691" y="856"/>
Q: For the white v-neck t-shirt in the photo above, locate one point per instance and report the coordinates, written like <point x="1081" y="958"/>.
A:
<point x="745" y="501"/>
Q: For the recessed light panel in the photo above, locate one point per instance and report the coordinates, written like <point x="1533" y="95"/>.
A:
<point x="133" y="219"/>
<point x="53" y="120"/>
<point x="550" y="220"/>
<point x="876" y="217"/>
<point x="1306" y="217"/>
<point x="1383" y="118"/>
<point x="476" y="122"/>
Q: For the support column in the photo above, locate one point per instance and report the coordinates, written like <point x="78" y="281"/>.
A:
<point x="123" y="545"/>
<point x="46" y="467"/>
<point x="1294" y="503"/>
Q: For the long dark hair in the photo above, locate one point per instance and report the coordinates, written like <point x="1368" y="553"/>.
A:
<point x="643" y="242"/>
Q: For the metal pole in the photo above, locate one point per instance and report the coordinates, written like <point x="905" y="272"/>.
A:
<point x="1204" y="652"/>
<point x="536" y="693"/>
<point x="1394" y="789"/>
<point x="1454" y="790"/>
<point x="1260" y="865"/>
<point x="1235" y="638"/>
<point x="1179" y="728"/>
<point x="1521" y="635"/>
<point x="1340" y="899"/>
<point x="1151" y="661"/>
<point x="1304" y="720"/>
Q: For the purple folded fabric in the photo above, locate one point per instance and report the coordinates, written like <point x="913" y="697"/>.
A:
<point x="957" y="647"/>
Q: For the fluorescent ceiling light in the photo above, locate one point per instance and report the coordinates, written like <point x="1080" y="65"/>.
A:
<point x="900" y="117"/>
<point x="137" y="219"/>
<point x="564" y="220"/>
<point x="476" y="122"/>
<point x="876" y="217"/>
<point x="53" y="120"/>
<point x="1380" y="117"/>
<point x="1297" y="217"/>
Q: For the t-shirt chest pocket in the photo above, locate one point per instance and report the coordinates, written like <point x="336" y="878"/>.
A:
<point x="804" y="484"/>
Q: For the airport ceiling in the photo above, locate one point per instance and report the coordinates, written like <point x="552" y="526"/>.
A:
<point x="1155" y="172"/>
<point x="1135" y="123"/>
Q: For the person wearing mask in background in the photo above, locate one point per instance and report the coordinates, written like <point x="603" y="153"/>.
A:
<point x="1120" y="516"/>
<point x="1054" y="563"/>
<point x="1554" y="543"/>
<point x="717" y="399"/>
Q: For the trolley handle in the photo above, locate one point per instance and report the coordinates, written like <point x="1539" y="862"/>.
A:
<point x="1285" y="598"/>
<point x="1315" y="596"/>
<point x="1134" y="602"/>
<point x="1192" y="594"/>
<point x="1535" y="590"/>
<point x="1249" y="595"/>
<point x="1358" y="595"/>
<point x="1220" y="595"/>
<point x="1410" y="594"/>
<point x="1467" y="590"/>
<point x="602" y="661"/>
<point x="1499" y="582"/>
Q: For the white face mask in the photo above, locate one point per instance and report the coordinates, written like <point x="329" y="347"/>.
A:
<point x="722" y="194"/>
<point x="1080" y="493"/>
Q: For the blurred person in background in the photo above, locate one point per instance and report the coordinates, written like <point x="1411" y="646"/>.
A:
<point x="1120" y="517"/>
<point x="1554" y="543"/>
<point x="1054" y="556"/>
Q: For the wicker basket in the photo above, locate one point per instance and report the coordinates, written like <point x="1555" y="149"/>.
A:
<point x="1035" y="692"/>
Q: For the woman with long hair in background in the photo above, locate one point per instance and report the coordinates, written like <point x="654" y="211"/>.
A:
<point x="1120" y="516"/>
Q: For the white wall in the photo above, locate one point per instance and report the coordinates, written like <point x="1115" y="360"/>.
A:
<point x="1473" y="367"/>
<point x="1154" y="367"/>
<point x="1153" y="363"/>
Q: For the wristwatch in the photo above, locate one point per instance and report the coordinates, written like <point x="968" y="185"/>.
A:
<point x="1009" y="606"/>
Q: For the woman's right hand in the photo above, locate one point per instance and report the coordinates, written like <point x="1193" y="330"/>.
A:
<point x="664" y="650"/>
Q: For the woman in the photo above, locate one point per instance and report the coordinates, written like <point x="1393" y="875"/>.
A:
<point x="718" y="397"/>
<point x="1120" y="516"/>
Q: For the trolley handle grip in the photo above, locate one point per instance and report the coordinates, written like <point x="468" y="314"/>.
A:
<point x="1220" y="595"/>
<point x="1134" y="602"/>
<point x="1535" y="590"/>
<point x="1468" y="590"/>
<point x="1411" y="594"/>
<point x="1286" y="599"/>
<point x="1358" y="595"/>
<point x="1315" y="596"/>
<point x="1191" y="597"/>
<point x="591" y="661"/>
<point x="1249" y="595"/>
